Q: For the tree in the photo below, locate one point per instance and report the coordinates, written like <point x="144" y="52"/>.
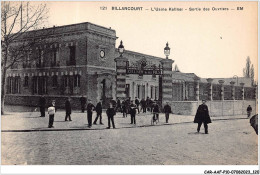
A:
<point x="249" y="71"/>
<point x="252" y="75"/>
<point x="246" y="70"/>
<point x="17" y="18"/>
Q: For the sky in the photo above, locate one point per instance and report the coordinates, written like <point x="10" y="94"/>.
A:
<point x="208" y="43"/>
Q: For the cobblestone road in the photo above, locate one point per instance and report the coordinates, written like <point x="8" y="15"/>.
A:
<point x="231" y="141"/>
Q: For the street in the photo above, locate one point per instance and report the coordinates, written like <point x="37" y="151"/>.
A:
<point x="27" y="140"/>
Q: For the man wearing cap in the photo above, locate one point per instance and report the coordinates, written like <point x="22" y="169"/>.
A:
<point x="202" y="116"/>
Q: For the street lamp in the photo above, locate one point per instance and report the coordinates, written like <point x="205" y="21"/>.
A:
<point x="167" y="50"/>
<point x="235" y="76"/>
<point x="121" y="48"/>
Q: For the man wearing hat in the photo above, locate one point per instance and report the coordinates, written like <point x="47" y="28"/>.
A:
<point x="202" y="116"/>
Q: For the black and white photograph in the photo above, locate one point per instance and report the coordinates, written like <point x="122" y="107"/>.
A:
<point x="130" y="83"/>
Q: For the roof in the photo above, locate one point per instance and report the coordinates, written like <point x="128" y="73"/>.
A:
<point x="72" y="28"/>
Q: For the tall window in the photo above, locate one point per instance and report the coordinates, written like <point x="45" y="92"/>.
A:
<point x="72" y="60"/>
<point x="76" y="80"/>
<point x="54" y="81"/>
<point x="156" y="93"/>
<point x="40" y="62"/>
<point x="55" y="58"/>
<point x="26" y="63"/>
<point x="13" y="84"/>
<point x="26" y="81"/>
<point x="151" y="91"/>
<point x="138" y="91"/>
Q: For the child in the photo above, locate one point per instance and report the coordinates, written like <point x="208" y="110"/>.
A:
<point x="51" y="112"/>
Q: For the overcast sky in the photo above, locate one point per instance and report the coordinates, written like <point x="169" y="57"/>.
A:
<point x="209" y="44"/>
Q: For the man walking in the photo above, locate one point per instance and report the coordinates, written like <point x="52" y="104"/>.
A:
<point x="202" y="116"/>
<point x="155" y="111"/>
<point x="68" y="109"/>
<point x="90" y="109"/>
<point x="51" y="112"/>
<point x="137" y="103"/>
<point x="143" y="105"/>
<point x="118" y="105"/>
<point x="42" y="102"/>
<point x="132" y="112"/>
<point x="83" y="103"/>
<point x="167" y="111"/>
<point x="110" y="114"/>
<point x="99" y="113"/>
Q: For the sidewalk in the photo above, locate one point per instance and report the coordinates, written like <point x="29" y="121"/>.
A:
<point x="30" y="121"/>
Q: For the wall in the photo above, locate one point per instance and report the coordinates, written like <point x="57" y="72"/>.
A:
<point x="34" y="100"/>
<point x="216" y="108"/>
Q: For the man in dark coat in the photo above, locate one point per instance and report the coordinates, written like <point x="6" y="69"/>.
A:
<point x="124" y="110"/>
<point x="132" y="112"/>
<point x="118" y="105"/>
<point x="99" y="113"/>
<point x="249" y="110"/>
<point x="143" y="105"/>
<point x="202" y="116"/>
<point x="148" y="103"/>
<point x="83" y="103"/>
<point x="167" y="111"/>
<point x="155" y="110"/>
<point x="110" y="114"/>
<point x="90" y="109"/>
<point x="42" y="103"/>
<point x="137" y="103"/>
<point x="68" y="109"/>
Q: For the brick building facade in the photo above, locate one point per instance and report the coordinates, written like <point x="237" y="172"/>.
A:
<point x="79" y="59"/>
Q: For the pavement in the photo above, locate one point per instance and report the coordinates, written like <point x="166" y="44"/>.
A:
<point x="26" y="140"/>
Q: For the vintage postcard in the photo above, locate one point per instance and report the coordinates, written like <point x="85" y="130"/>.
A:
<point x="130" y="83"/>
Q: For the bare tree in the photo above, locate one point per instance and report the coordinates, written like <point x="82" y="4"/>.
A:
<point x="17" y="18"/>
<point x="246" y="70"/>
<point x="249" y="71"/>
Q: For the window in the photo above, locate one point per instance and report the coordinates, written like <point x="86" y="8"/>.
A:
<point x="151" y="91"/>
<point x="72" y="58"/>
<point x="138" y="91"/>
<point x="55" y="58"/>
<point x="26" y="63"/>
<point x="26" y="81"/>
<point x="76" y="80"/>
<point x="54" y="81"/>
<point x="14" y="85"/>
<point x="156" y="93"/>
<point x="40" y="63"/>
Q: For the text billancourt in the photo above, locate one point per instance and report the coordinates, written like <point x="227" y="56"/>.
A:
<point x="127" y="8"/>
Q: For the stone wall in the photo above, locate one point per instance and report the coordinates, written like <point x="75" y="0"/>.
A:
<point x="216" y="108"/>
<point x="34" y="100"/>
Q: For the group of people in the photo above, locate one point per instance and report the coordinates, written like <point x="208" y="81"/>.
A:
<point x="127" y="106"/>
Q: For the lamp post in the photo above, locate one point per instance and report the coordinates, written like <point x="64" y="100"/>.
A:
<point x="121" y="48"/>
<point x="167" y="50"/>
<point x="235" y="76"/>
